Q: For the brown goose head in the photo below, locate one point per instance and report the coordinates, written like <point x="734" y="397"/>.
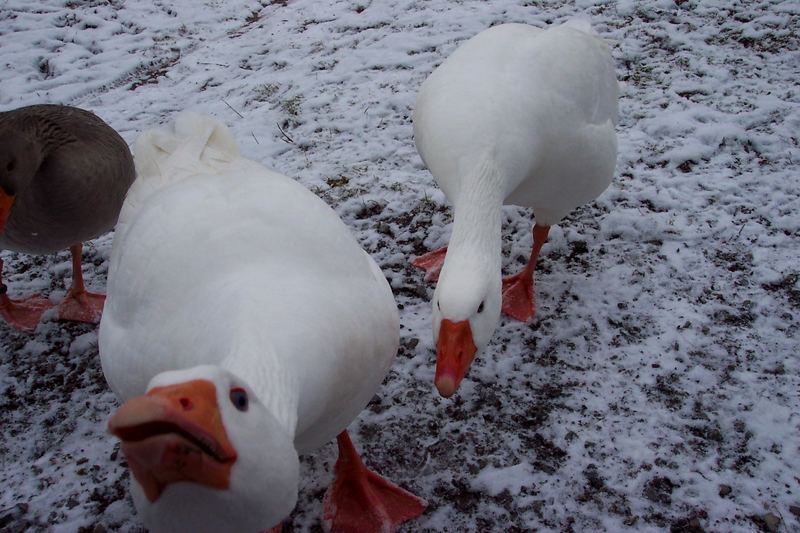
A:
<point x="20" y="158"/>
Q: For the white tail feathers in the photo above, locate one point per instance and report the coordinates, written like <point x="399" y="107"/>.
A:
<point x="192" y="144"/>
<point x="190" y="140"/>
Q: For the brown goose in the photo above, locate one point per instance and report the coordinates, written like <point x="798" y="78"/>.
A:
<point x="63" y="176"/>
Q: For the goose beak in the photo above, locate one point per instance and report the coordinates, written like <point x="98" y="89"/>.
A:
<point x="455" y="351"/>
<point x="6" y="201"/>
<point x="175" y="433"/>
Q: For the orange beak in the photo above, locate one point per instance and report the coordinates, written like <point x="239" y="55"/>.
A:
<point x="455" y="350"/>
<point x="172" y="434"/>
<point x="6" y="201"/>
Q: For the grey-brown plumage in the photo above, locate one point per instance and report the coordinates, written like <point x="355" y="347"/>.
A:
<point x="64" y="174"/>
<point x="69" y="171"/>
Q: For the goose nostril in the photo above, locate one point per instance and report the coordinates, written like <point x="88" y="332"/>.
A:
<point x="186" y="403"/>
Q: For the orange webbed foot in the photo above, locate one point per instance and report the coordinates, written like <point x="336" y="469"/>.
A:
<point x="431" y="263"/>
<point x="361" y="501"/>
<point x="518" y="299"/>
<point x="25" y="314"/>
<point x="82" y="306"/>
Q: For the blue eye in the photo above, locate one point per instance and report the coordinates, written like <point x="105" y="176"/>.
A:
<point x="239" y="398"/>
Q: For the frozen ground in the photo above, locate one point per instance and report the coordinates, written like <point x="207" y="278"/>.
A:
<point x="657" y="387"/>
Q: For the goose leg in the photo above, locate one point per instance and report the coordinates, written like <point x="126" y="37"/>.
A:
<point x="518" y="298"/>
<point x="80" y="305"/>
<point x="361" y="501"/>
<point x="431" y="263"/>
<point x="21" y="314"/>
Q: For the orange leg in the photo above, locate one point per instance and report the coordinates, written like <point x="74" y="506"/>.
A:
<point x="518" y="299"/>
<point x="431" y="263"/>
<point x="80" y="305"/>
<point x="361" y="501"/>
<point x="21" y="314"/>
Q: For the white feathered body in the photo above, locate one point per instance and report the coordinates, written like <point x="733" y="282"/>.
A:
<point x="254" y="273"/>
<point x="539" y="106"/>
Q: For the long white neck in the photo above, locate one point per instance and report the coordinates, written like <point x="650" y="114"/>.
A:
<point x="476" y="239"/>
<point x="255" y="359"/>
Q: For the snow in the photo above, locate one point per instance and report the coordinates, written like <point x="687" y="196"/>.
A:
<point x="663" y="359"/>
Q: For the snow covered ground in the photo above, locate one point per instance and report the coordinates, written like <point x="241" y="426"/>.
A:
<point x="659" y="385"/>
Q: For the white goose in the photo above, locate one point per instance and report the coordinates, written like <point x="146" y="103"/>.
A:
<point x="244" y="325"/>
<point x="515" y="115"/>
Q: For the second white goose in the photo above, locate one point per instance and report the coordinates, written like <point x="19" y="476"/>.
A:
<point x="516" y="115"/>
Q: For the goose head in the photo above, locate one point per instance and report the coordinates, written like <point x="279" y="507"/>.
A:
<point x="20" y="158"/>
<point x="205" y="454"/>
<point x="466" y="311"/>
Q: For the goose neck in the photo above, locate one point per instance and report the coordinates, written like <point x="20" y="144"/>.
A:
<point x="259" y="365"/>
<point x="477" y="217"/>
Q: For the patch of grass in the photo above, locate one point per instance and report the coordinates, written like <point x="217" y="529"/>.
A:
<point x="292" y="105"/>
<point x="337" y="182"/>
<point x="264" y="91"/>
<point x="150" y="72"/>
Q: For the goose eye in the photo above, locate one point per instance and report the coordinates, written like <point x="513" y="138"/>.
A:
<point x="480" y="308"/>
<point x="438" y="305"/>
<point x="239" y="398"/>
